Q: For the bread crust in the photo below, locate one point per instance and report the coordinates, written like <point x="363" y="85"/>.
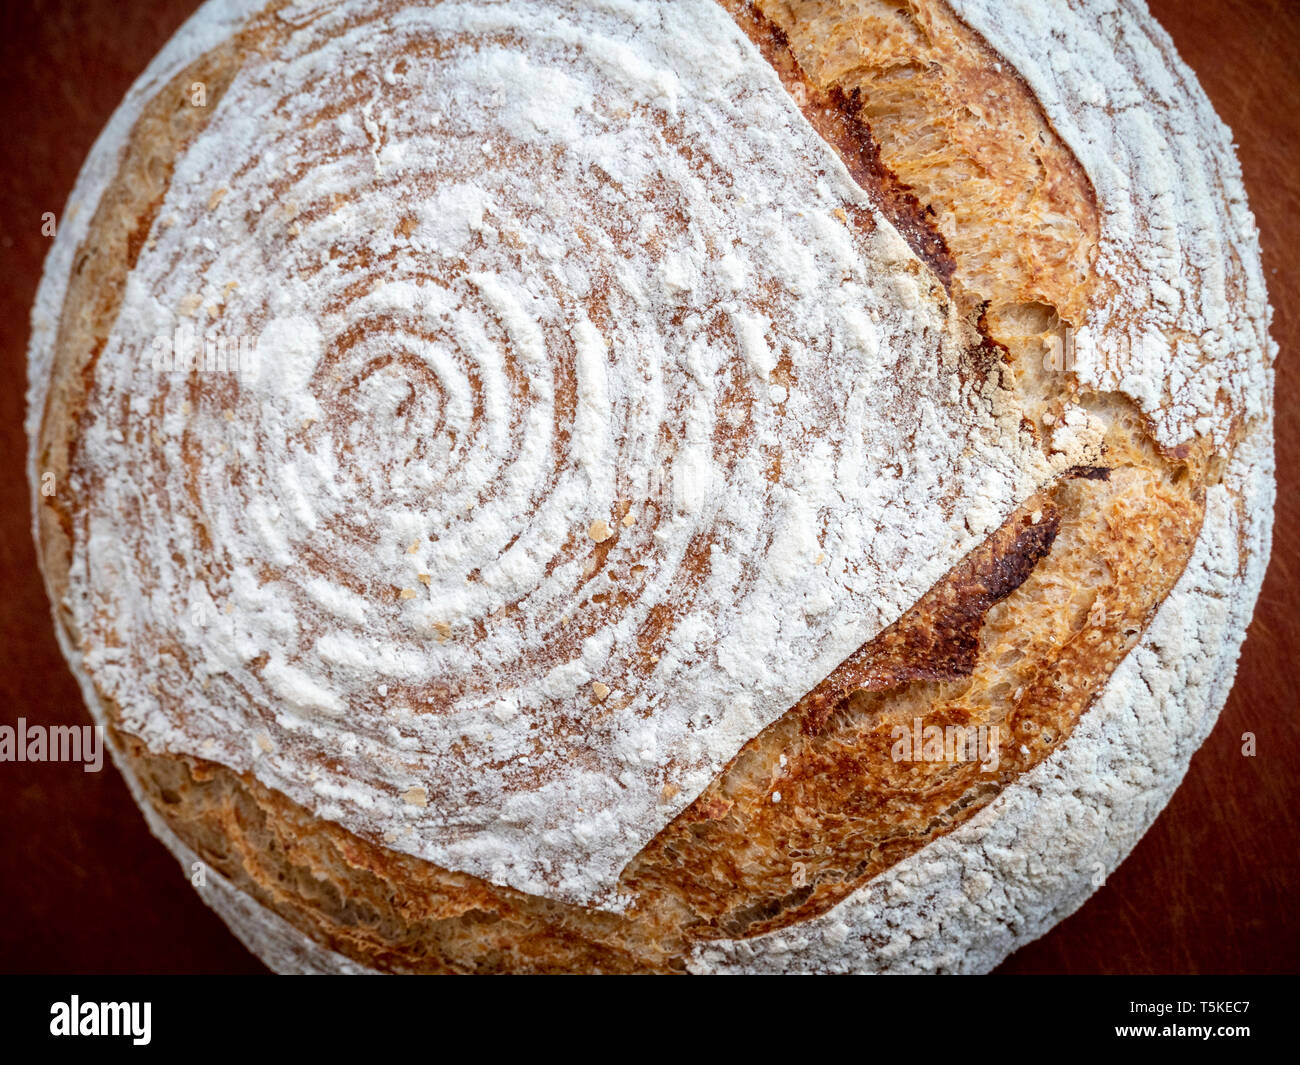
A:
<point x="1023" y="634"/>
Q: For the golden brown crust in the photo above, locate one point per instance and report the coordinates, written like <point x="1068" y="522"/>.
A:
<point x="372" y="904"/>
<point x="1021" y="634"/>
<point x="938" y="638"/>
<point x="836" y="113"/>
<point x="964" y="133"/>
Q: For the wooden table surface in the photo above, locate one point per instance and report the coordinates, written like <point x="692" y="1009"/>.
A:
<point x="85" y="888"/>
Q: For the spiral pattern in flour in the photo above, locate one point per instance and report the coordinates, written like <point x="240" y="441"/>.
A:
<point x="593" y="415"/>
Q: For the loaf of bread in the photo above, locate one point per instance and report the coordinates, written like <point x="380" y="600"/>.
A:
<point x="645" y="486"/>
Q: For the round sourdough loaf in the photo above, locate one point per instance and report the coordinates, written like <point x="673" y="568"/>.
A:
<point x="619" y="485"/>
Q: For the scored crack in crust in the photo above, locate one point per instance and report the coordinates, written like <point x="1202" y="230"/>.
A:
<point x="1021" y="634"/>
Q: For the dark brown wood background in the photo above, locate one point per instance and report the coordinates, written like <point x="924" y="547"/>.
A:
<point x="85" y="888"/>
